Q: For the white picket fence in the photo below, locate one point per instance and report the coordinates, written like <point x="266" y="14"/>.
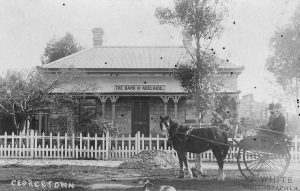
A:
<point x="34" y="146"/>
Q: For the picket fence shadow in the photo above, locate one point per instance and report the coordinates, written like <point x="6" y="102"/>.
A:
<point x="34" y="146"/>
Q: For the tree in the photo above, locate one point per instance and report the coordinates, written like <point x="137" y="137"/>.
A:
<point x="284" y="61"/>
<point x="59" y="48"/>
<point x="24" y="95"/>
<point x="197" y="73"/>
<point x="294" y="123"/>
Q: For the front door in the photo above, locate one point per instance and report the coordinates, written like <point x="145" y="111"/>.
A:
<point x="140" y="117"/>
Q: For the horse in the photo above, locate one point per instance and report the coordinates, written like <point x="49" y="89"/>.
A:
<point x="186" y="139"/>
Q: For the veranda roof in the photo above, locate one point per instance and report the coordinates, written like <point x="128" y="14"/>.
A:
<point x="107" y="85"/>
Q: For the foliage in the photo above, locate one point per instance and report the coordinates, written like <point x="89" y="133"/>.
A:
<point x="101" y="126"/>
<point x="294" y="124"/>
<point x="59" y="48"/>
<point x="225" y="105"/>
<point x="200" y="83"/>
<point x="23" y="95"/>
<point x="225" y="108"/>
<point x="73" y="117"/>
<point x="284" y="62"/>
<point x="64" y="123"/>
<point x="200" y="20"/>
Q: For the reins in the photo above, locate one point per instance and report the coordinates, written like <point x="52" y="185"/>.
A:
<point x="204" y="139"/>
<point x="197" y="137"/>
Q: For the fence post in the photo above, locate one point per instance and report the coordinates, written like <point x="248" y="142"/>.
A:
<point x="107" y="145"/>
<point x="58" y="145"/>
<point x="137" y="142"/>
<point x="80" y="145"/>
<point x="20" y="146"/>
<point x="73" y="144"/>
<point x="5" y="144"/>
<point x="143" y="144"/>
<point x="66" y="146"/>
<point x="43" y="144"/>
<point x="88" y="145"/>
<point x="13" y="150"/>
<point x="96" y="146"/>
<point x="51" y="146"/>
<point x="31" y="144"/>
<point x="35" y="145"/>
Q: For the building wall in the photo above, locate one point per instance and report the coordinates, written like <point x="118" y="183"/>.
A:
<point x="229" y="81"/>
<point x="156" y="109"/>
<point x="123" y="114"/>
<point x="253" y="111"/>
<point x="185" y="112"/>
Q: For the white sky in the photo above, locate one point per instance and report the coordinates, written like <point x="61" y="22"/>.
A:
<point x="27" y="25"/>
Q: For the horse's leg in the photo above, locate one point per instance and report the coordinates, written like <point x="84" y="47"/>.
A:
<point x="180" y="158"/>
<point x="198" y="163"/>
<point x="220" y="154"/>
<point x="190" y="174"/>
<point x="221" y="175"/>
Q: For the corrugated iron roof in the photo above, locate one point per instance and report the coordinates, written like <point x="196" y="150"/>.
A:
<point x="127" y="57"/>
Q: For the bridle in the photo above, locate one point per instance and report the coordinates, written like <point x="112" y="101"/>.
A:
<point x="175" y="134"/>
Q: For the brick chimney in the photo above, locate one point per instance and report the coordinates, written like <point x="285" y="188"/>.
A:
<point x="186" y="39"/>
<point x="98" y="36"/>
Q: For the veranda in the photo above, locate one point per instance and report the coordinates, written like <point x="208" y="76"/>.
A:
<point x="34" y="146"/>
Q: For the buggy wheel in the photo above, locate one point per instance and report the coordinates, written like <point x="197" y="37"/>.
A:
<point x="254" y="162"/>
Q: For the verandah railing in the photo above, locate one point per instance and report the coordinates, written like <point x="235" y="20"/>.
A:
<point x="34" y="146"/>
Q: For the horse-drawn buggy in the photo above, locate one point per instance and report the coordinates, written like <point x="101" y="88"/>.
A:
<point x="265" y="153"/>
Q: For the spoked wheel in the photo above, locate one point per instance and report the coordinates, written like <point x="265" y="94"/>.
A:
<point x="262" y="156"/>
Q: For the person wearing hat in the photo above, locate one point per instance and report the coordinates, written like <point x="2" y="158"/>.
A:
<point x="278" y="120"/>
<point x="272" y="115"/>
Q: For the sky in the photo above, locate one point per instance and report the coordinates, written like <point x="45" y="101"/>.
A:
<point x="27" y="25"/>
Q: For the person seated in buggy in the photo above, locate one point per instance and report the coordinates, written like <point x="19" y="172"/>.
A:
<point x="276" y="124"/>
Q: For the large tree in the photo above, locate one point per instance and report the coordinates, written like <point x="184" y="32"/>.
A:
<point x="200" y="20"/>
<point x="284" y="61"/>
<point x="197" y="73"/>
<point x="59" y="48"/>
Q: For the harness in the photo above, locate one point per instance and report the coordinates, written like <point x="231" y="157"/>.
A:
<point x="176" y="133"/>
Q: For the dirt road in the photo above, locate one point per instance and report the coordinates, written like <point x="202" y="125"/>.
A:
<point x="19" y="176"/>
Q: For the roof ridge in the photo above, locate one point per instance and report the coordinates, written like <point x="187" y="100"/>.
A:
<point x="125" y="46"/>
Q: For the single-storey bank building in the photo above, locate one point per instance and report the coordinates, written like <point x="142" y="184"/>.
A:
<point x="134" y="86"/>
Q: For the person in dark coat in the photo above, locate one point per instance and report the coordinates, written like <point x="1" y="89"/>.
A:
<point x="278" y="120"/>
<point x="272" y="115"/>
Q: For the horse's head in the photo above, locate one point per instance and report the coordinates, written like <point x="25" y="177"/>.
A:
<point x="165" y="124"/>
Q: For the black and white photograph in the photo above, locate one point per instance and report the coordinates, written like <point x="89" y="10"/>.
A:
<point x="150" y="95"/>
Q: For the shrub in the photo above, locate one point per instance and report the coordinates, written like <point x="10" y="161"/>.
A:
<point x="101" y="126"/>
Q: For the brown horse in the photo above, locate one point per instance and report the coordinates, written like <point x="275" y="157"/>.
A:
<point x="186" y="139"/>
